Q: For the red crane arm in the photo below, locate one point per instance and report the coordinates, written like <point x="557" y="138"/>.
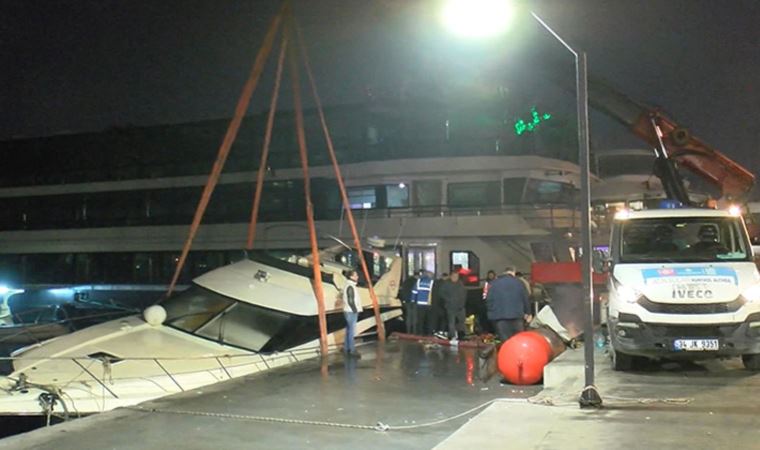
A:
<point x="694" y="154"/>
<point x="687" y="150"/>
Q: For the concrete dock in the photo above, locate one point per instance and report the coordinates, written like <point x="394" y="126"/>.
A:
<point x="406" y="385"/>
<point x="400" y="384"/>
<point x="708" y="405"/>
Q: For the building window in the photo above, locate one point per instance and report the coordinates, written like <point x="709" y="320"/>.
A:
<point x="427" y="193"/>
<point x="397" y="195"/>
<point x="486" y="193"/>
<point x="513" y="190"/>
<point x="545" y="191"/>
<point x="362" y="197"/>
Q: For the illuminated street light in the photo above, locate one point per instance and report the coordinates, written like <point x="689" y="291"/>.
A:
<point x="473" y="18"/>
<point x="477" y="18"/>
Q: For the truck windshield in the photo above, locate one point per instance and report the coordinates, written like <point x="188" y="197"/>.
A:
<point x="683" y="239"/>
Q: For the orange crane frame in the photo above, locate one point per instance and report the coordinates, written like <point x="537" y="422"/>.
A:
<point x="284" y="14"/>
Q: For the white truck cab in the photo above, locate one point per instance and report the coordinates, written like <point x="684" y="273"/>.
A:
<point x="682" y="284"/>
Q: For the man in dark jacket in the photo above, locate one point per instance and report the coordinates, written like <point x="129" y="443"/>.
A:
<point x="438" y="309"/>
<point x="454" y="296"/>
<point x="405" y="295"/>
<point x="508" y="305"/>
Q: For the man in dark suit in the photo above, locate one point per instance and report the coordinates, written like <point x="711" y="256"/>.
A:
<point x="508" y="305"/>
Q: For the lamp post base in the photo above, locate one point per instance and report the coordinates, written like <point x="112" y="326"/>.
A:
<point x="590" y="398"/>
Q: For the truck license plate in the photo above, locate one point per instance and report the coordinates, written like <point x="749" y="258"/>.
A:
<point x="696" y="345"/>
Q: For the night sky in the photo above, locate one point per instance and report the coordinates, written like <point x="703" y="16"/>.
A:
<point x="85" y="65"/>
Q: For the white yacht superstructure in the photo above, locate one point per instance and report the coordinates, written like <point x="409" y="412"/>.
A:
<point x="240" y="319"/>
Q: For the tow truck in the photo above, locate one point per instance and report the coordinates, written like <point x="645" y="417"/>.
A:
<point x="681" y="280"/>
<point x="682" y="284"/>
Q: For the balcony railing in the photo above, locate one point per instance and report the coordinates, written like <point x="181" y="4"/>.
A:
<point x="541" y="215"/>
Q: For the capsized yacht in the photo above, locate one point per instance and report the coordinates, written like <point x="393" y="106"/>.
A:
<point x="243" y="318"/>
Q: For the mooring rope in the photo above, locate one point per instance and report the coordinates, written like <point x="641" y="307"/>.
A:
<point x="379" y="426"/>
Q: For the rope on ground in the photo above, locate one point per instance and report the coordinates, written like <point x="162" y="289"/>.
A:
<point x="571" y="400"/>
<point x="380" y="426"/>
<point x="647" y="401"/>
<point x="457" y="416"/>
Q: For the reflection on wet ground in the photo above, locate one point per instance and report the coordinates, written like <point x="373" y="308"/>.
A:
<point x="398" y="383"/>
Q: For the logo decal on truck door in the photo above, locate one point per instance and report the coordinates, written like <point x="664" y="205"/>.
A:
<point x="686" y="275"/>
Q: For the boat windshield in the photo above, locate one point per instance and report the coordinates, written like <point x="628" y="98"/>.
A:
<point x="227" y="321"/>
<point x="194" y="307"/>
<point x="683" y="239"/>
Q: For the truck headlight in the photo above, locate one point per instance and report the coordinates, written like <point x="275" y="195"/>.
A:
<point x="752" y="293"/>
<point x="628" y="294"/>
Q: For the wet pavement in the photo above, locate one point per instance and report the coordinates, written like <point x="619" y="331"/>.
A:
<point x="401" y="383"/>
<point x="405" y="384"/>
<point x="706" y="405"/>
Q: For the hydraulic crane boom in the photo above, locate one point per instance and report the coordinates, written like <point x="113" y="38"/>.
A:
<point x="672" y="144"/>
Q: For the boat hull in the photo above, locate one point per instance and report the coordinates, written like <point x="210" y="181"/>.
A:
<point x="103" y="386"/>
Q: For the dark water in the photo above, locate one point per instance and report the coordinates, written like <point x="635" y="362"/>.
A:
<point x="11" y="425"/>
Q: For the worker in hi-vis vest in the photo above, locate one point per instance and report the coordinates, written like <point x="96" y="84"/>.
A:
<point x="422" y="299"/>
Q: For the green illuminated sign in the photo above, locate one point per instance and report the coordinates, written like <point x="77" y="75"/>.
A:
<point x="522" y="126"/>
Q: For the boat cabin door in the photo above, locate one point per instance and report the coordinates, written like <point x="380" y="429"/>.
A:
<point x="419" y="258"/>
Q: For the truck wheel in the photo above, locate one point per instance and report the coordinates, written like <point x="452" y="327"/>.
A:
<point x="622" y="362"/>
<point x="751" y="362"/>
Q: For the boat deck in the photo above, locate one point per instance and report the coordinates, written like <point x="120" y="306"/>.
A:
<point x="399" y="384"/>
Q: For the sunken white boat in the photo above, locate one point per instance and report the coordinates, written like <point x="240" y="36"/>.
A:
<point x="240" y="319"/>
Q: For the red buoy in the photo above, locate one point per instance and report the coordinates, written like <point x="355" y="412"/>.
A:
<point x="522" y="357"/>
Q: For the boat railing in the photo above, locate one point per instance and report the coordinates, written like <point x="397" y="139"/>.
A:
<point x="543" y="215"/>
<point x="100" y="367"/>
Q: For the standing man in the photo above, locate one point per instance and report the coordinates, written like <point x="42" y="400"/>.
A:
<point x="437" y="322"/>
<point x="421" y="295"/>
<point x="508" y="306"/>
<point x="352" y="306"/>
<point x="454" y="296"/>
<point x="405" y="295"/>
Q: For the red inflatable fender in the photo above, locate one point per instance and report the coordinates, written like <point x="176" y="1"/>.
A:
<point x="522" y="357"/>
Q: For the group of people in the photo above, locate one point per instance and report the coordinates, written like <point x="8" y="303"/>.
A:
<point x="437" y="306"/>
<point x="434" y="306"/>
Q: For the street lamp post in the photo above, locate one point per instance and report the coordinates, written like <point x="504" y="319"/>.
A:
<point x="589" y="397"/>
<point x="480" y="18"/>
